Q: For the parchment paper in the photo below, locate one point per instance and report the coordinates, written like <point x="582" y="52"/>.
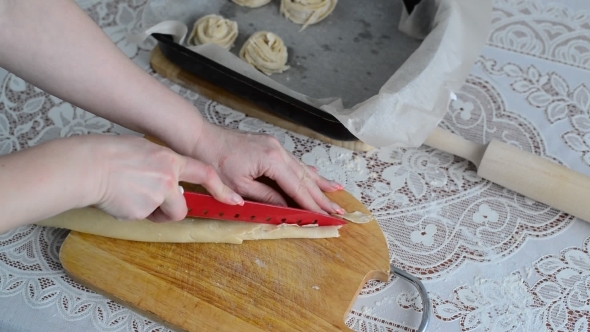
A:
<point x="344" y="64"/>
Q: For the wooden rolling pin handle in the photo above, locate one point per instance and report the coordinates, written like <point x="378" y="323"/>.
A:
<point x="537" y="178"/>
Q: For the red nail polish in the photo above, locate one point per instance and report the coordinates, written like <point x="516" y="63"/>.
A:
<point x="237" y="199"/>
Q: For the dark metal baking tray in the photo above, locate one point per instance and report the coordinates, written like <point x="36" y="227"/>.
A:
<point x="280" y="103"/>
<point x="261" y="95"/>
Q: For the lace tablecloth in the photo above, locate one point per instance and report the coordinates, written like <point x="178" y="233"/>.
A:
<point x="491" y="259"/>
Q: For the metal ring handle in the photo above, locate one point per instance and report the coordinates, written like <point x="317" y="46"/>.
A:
<point x="426" y="311"/>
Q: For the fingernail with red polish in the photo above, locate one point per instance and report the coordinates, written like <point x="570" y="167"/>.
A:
<point x="337" y="208"/>
<point x="313" y="168"/>
<point x="237" y="199"/>
<point x="337" y="185"/>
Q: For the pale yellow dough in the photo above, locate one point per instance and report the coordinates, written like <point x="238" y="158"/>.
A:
<point x="357" y="217"/>
<point x="251" y="3"/>
<point x="307" y="12"/>
<point x="214" y="29"/>
<point x="266" y="52"/>
<point x="94" y="221"/>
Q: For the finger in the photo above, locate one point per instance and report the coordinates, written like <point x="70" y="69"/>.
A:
<point x="172" y="209"/>
<point x="294" y="180"/>
<point x="322" y="201"/>
<point x="316" y="186"/>
<point x="315" y="191"/>
<point x="262" y="193"/>
<point x="197" y="172"/>
<point x="324" y="184"/>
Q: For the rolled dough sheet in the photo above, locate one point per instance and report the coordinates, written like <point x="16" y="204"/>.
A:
<point x="97" y="222"/>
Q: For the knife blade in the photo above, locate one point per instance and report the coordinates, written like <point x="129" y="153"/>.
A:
<point x="205" y="206"/>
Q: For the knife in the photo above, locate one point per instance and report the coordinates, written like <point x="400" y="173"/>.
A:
<point x="205" y="206"/>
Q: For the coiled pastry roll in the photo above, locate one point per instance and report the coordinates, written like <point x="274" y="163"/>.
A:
<point x="251" y="3"/>
<point x="266" y="52"/>
<point x="214" y="29"/>
<point x="307" y="12"/>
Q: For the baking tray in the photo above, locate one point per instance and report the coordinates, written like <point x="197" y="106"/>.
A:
<point x="348" y="88"/>
<point x="261" y="95"/>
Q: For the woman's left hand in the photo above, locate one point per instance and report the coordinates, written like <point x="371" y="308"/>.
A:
<point x="240" y="158"/>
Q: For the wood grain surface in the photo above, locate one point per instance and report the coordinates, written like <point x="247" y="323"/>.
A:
<point x="271" y="285"/>
<point x="175" y="74"/>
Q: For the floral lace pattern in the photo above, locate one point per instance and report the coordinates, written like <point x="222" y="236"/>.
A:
<point x="551" y="93"/>
<point x="499" y="305"/>
<point x="548" y="31"/>
<point x="559" y="301"/>
<point x="456" y="231"/>
<point x="564" y="288"/>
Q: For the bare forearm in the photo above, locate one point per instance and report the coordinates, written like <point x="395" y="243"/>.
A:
<point x="56" y="46"/>
<point x="45" y="180"/>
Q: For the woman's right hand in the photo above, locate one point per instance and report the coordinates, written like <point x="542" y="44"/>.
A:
<point x="139" y="179"/>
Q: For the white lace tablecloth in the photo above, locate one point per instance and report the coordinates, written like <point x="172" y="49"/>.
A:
<point x="491" y="259"/>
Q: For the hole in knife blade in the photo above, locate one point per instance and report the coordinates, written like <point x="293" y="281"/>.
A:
<point x="299" y="221"/>
<point x="267" y="219"/>
<point x="237" y="216"/>
<point x="221" y="214"/>
<point x="283" y="220"/>
<point x="252" y="217"/>
<point x="205" y="212"/>
<point x="315" y="221"/>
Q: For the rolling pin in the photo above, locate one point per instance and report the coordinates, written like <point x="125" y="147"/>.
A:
<point x="525" y="173"/>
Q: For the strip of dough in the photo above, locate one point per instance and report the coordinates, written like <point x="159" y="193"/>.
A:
<point x="95" y="221"/>
<point x="251" y="3"/>
<point x="214" y="29"/>
<point x="266" y="52"/>
<point x="356" y="217"/>
<point x="307" y="12"/>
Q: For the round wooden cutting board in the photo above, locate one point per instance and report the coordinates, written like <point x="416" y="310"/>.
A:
<point x="271" y="285"/>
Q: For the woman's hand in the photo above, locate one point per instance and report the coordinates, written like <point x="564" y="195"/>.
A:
<point x="83" y="66"/>
<point x="240" y="158"/>
<point x="126" y="176"/>
<point x="139" y="179"/>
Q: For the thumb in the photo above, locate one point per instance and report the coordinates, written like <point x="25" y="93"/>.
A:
<point x="197" y="172"/>
<point x="172" y="209"/>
